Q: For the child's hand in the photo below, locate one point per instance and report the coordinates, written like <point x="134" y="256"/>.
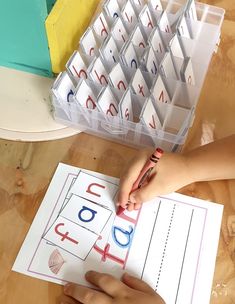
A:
<point x="128" y="291"/>
<point x="170" y="174"/>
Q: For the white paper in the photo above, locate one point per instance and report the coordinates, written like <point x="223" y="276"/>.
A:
<point x="170" y="242"/>
<point x="118" y="78"/>
<point x="176" y="48"/>
<point x="137" y="37"/>
<point x="146" y="18"/>
<point x="112" y="8"/>
<point x="139" y="84"/>
<point x="63" y="87"/>
<point x="164" y="24"/>
<point x="108" y="103"/>
<point x="76" y="66"/>
<point x="168" y="67"/>
<point x="100" y="26"/>
<point x="128" y="13"/>
<point x="156" y="42"/>
<point x="182" y="28"/>
<point x="152" y="62"/>
<point x="139" y="4"/>
<point x="85" y="96"/>
<point x="156" y="4"/>
<point x="150" y="116"/>
<point x="129" y="56"/>
<point x="109" y="50"/>
<point x="88" y="42"/>
<point x="98" y="72"/>
<point x="119" y="32"/>
<point x="159" y="91"/>
<point x="125" y="106"/>
<point x="188" y="74"/>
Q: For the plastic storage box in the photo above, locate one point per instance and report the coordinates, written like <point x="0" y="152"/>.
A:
<point x="175" y="116"/>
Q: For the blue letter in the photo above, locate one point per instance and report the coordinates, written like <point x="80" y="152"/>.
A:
<point x="127" y="234"/>
<point x="84" y="208"/>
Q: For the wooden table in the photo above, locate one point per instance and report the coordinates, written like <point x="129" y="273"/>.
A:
<point x="26" y="170"/>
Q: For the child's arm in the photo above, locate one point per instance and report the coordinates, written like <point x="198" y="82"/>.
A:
<point x="128" y="291"/>
<point x="209" y="162"/>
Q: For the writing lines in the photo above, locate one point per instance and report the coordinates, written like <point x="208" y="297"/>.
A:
<point x="172" y="254"/>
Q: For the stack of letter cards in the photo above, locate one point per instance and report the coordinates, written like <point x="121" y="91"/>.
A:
<point x="133" y="61"/>
<point x="170" y="243"/>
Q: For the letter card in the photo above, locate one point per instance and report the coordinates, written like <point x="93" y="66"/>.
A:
<point x="156" y="5"/>
<point x="63" y="87"/>
<point x="107" y="102"/>
<point x="137" y="37"/>
<point x="129" y="56"/>
<point x="139" y="84"/>
<point x="85" y="96"/>
<point x="71" y="237"/>
<point x="152" y="62"/>
<point x="156" y="41"/>
<point x="187" y="73"/>
<point x="146" y="18"/>
<point x="119" y="31"/>
<point x="94" y="189"/>
<point x="112" y="8"/>
<point x="128" y="14"/>
<point x="149" y="116"/>
<point x="86" y="213"/>
<point x="76" y="66"/>
<point x="109" y="50"/>
<point x="118" y="78"/>
<point x="88" y="42"/>
<point x="100" y="26"/>
<point x="125" y="106"/>
<point x="159" y="91"/>
<point x="164" y="24"/>
<point x="98" y="72"/>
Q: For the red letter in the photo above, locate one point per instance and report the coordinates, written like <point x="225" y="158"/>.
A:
<point x="101" y="77"/>
<point x="89" y="99"/>
<point x="64" y="235"/>
<point x="127" y="114"/>
<point x="105" y="254"/>
<point x="92" y="185"/>
<point x="110" y="111"/>
<point x="80" y="73"/>
<point x="150" y="21"/>
<point x="104" y="30"/>
<point x="141" y="89"/>
<point x="119" y="85"/>
<point x="128" y="19"/>
<point x="92" y="50"/>
<point x="161" y="97"/>
<point x="154" y="124"/>
<point x="141" y="44"/>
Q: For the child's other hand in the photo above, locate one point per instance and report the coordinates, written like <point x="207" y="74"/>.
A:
<point x="170" y="174"/>
<point x="112" y="291"/>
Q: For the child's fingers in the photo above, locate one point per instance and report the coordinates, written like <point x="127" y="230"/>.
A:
<point x="137" y="284"/>
<point x="127" y="180"/>
<point x="145" y="193"/>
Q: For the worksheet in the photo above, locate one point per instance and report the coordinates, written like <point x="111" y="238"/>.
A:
<point x="171" y="242"/>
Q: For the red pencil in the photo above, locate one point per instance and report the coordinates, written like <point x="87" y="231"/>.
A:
<point x="144" y="174"/>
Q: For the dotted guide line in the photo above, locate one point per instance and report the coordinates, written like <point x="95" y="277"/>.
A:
<point x="165" y="246"/>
